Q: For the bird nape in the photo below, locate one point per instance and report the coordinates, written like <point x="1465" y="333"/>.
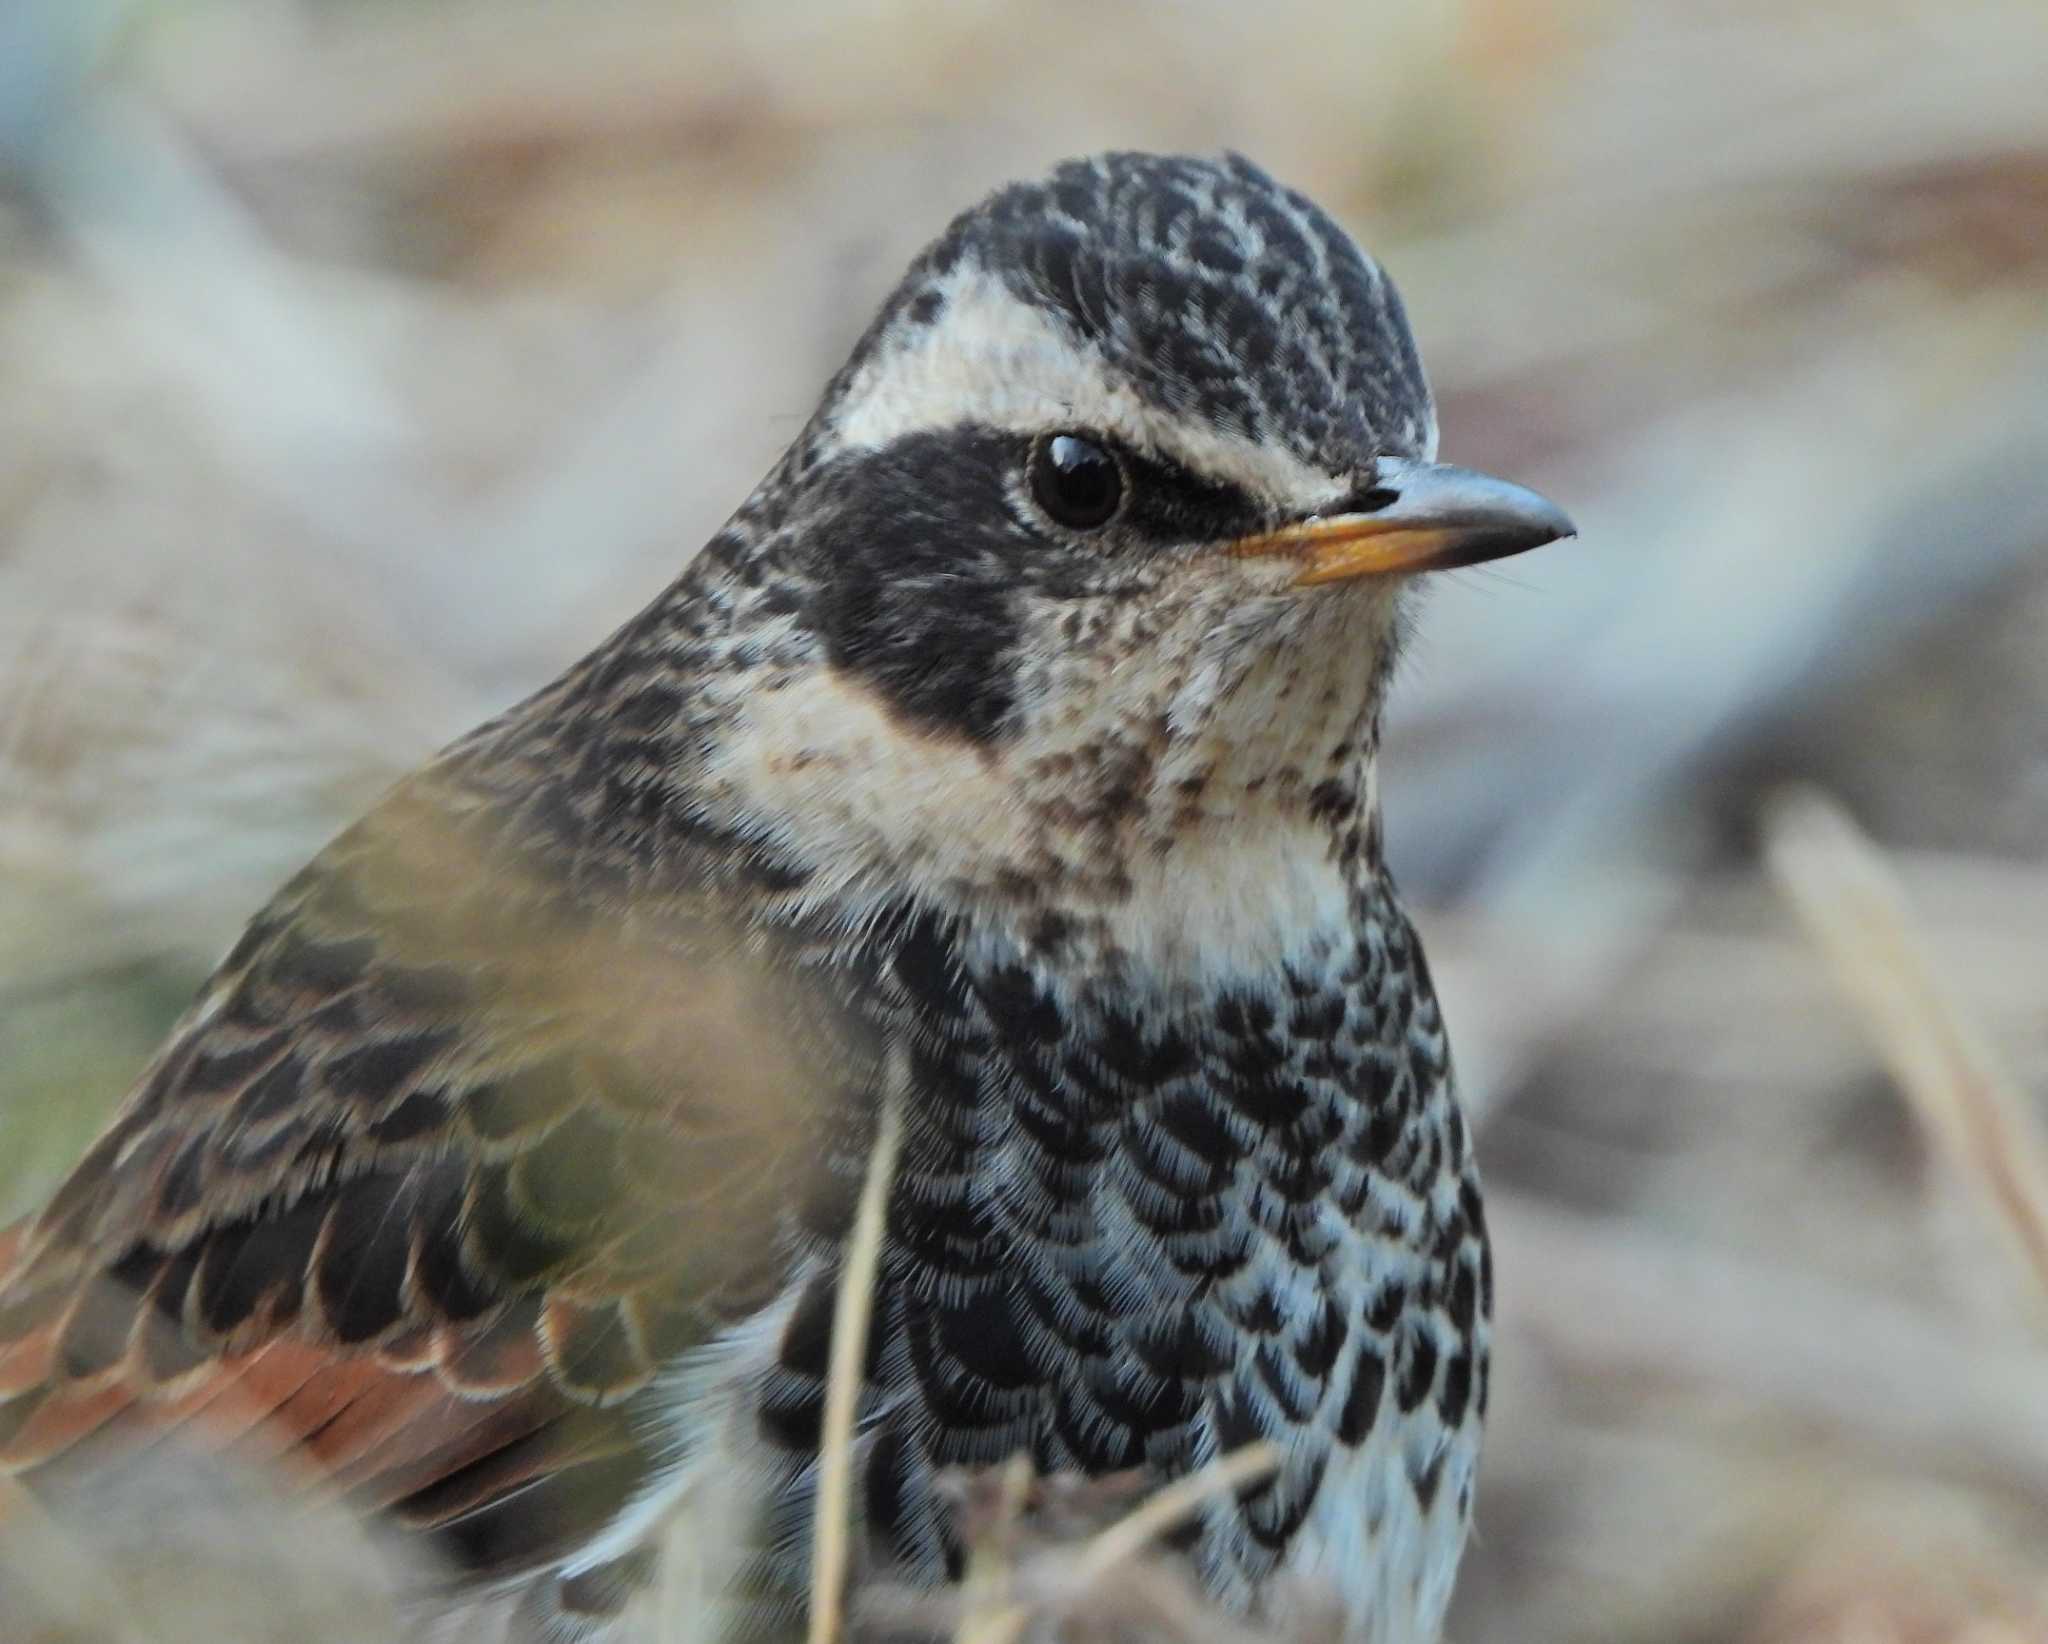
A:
<point x="1017" y="735"/>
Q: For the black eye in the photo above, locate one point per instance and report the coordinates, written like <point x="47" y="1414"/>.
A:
<point x="1078" y="482"/>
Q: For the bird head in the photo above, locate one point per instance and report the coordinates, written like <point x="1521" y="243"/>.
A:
<point x="1094" y="552"/>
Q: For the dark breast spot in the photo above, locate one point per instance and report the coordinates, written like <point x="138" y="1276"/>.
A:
<point x="1196" y="1121"/>
<point x="1021" y="1010"/>
<point x="1237" y="1423"/>
<point x="807" y="1337"/>
<point x="1259" y="1313"/>
<point x="982" y="1335"/>
<point x="1180" y="1348"/>
<point x="1317" y="1349"/>
<point x="1142" y="1056"/>
<point x="791" y="1413"/>
<point x="1274" y="1518"/>
<point x="886" y="1487"/>
<point x="1456" y="1397"/>
<point x="1418" y="1371"/>
<point x="1362" y="1401"/>
<point x="1464" y="1301"/>
<point x="1429" y="1478"/>
<point x="1294" y="1394"/>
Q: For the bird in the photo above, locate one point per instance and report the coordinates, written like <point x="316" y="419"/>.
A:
<point x="1007" y="761"/>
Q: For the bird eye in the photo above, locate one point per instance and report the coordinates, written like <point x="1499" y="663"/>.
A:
<point x="1075" y="480"/>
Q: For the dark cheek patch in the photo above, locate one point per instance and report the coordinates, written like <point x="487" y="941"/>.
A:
<point x="919" y="577"/>
<point x="922" y="567"/>
<point x="943" y="661"/>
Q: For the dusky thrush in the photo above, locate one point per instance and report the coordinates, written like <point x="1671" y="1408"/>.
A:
<point x="1012" y="748"/>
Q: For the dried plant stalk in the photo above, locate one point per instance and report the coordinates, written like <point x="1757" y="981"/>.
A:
<point x="853" y="1308"/>
<point x="991" y="1566"/>
<point x="1103" y="1553"/>
<point x="1855" y="909"/>
<point x="1161" y="1511"/>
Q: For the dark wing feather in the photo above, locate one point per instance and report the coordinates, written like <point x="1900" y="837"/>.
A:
<point x="452" y="1153"/>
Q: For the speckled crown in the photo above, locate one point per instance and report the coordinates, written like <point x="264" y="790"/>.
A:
<point x="1212" y="288"/>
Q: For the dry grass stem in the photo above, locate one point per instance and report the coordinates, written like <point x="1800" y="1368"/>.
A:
<point x="991" y="1564"/>
<point x="1117" y="1546"/>
<point x="854" y="1307"/>
<point x="1853" y="906"/>
<point x="1161" y="1511"/>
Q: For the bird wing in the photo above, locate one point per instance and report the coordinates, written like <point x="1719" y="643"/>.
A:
<point x="457" y="1148"/>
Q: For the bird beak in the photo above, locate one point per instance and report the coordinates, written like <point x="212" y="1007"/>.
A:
<point x="1435" y="518"/>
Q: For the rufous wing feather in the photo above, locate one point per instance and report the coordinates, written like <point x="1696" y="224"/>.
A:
<point x="449" y="1159"/>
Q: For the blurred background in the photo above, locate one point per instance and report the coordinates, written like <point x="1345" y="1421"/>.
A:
<point x="362" y="362"/>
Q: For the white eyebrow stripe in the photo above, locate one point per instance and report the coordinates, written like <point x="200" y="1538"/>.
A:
<point x="994" y="360"/>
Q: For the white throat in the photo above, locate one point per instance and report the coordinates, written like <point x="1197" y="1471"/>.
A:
<point x="1198" y="851"/>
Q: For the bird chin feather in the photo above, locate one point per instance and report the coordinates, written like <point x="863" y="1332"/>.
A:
<point x="1181" y="796"/>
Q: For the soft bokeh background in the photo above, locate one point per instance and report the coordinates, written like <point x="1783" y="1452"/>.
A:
<point x="361" y="362"/>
